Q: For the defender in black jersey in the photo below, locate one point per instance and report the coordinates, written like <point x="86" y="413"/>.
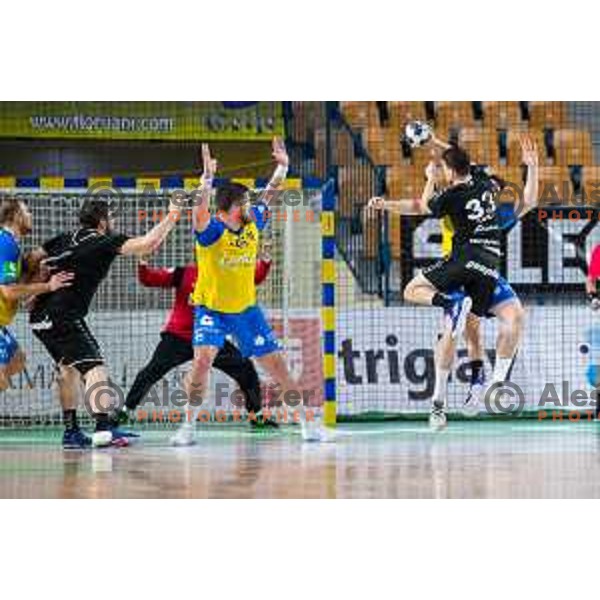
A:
<point x="58" y="318"/>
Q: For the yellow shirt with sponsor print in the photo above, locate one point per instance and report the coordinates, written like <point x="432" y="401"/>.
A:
<point x="226" y="262"/>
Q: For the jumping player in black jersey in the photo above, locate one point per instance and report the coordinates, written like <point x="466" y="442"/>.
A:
<point x="473" y="265"/>
<point x="58" y="318"/>
<point x="505" y="304"/>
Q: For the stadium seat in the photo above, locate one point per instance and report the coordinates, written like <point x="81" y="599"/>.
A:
<point x="513" y="147"/>
<point x="453" y="115"/>
<point x="481" y="144"/>
<point x="360" y="115"/>
<point x="356" y="186"/>
<point x="384" y="146"/>
<point x="395" y="235"/>
<point x="555" y="186"/>
<point x="573" y="147"/>
<point x="404" y="182"/>
<point x="320" y="153"/>
<point x="501" y="115"/>
<point x="547" y="115"/>
<point x="402" y="112"/>
<point x="591" y="185"/>
<point x="342" y="147"/>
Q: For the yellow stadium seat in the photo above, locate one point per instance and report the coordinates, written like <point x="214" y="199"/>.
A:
<point x="403" y="112"/>
<point x="547" y="115"/>
<point x="404" y="182"/>
<point x="384" y="146"/>
<point x="481" y="144"/>
<point x="501" y="115"/>
<point x="573" y="147"/>
<point x="513" y="146"/>
<point x="356" y="187"/>
<point x="360" y="115"/>
<point x="342" y="148"/>
<point x="395" y="232"/>
<point x="453" y="115"/>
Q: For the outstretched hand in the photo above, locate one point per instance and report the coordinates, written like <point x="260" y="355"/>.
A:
<point x="60" y="280"/>
<point x="209" y="164"/>
<point x="280" y="155"/>
<point x="529" y="151"/>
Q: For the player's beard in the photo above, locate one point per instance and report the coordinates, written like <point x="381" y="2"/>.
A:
<point x="25" y="227"/>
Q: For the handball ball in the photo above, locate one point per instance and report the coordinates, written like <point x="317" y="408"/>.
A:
<point x="418" y="133"/>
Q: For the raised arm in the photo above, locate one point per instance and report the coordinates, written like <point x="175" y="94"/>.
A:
<point x="144" y="245"/>
<point x="531" y="160"/>
<point x="201" y="200"/>
<point x="281" y="158"/>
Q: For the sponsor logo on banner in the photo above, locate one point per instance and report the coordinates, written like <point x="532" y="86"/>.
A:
<point x="386" y="361"/>
<point x="142" y="120"/>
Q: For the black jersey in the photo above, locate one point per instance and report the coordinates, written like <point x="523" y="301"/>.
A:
<point x="88" y="254"/>
<point x="473" y="214"/>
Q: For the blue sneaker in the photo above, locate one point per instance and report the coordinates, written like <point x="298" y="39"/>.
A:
<point x="458" y="313"/>
<point x="120" y="437"/>
<point x="122" y="418"/>
<point x="75" y="439"/>
<point x="125" y="433"/>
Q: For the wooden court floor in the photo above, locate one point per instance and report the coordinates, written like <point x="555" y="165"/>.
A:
<point x="469" y="460"/>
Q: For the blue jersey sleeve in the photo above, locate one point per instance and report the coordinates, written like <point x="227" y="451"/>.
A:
<point x="260" y="215"/>
<point x="10" y="260"/>
<point x="507" y="217"/>
<point x="211" y="234"/>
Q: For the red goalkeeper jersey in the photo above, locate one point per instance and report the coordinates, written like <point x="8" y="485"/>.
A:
<point x="180" y="321"/>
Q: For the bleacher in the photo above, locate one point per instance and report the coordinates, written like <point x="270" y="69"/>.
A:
<point x="368" y="156"/>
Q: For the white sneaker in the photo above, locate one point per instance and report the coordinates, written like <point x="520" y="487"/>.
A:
<point x="437" y="417"/>
<point x="101" y="439"/>
<point x="184" y="436"/>
<point x="472" y="404"/>
<point x="313" y="431"/>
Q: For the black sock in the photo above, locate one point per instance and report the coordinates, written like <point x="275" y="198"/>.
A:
<point x="102" y="421"/>
<point x="477" y="373"/>
<point x="70" y="419"/>
<point x="442" y="300"/>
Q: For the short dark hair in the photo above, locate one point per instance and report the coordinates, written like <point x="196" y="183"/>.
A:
<point x="10" y="206"/>
<point x="92" y="211"/>
<point x="458" y="160"/>
<point x="229" y="194"/>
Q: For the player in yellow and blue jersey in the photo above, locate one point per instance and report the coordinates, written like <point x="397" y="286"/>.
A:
<point x="226" y="247"/>
<point x="15" y="223"/>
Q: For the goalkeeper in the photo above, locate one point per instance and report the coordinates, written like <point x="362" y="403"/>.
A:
<point x="175" y="346"/>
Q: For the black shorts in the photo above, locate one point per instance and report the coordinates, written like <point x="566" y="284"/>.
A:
<point x="69" y="343"/>
<point x="478" y="278"/>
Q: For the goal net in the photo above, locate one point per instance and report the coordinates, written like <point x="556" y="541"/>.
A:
<point x="127" y="317"/>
